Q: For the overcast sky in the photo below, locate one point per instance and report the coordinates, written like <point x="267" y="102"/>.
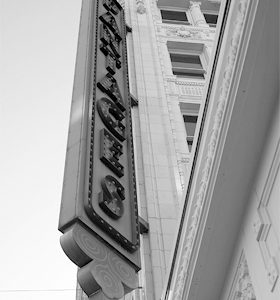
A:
<point x="38" y="48"/>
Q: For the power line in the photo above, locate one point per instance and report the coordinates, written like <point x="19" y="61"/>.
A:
<point x="43" y="290"/>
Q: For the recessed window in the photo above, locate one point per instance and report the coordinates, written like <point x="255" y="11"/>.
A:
<point x="193" y="60"/>
<point x="190" y="125"/>
<point x="187" y="65"/>
<point x="211" y="19"/>
<point x="175" y="17"/>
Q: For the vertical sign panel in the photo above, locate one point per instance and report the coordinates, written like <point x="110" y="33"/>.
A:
<point x="99" y="205"/>
<point x="111" y="201"/>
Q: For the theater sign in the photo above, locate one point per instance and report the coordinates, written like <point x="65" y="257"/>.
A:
<point x="99" y="217"/>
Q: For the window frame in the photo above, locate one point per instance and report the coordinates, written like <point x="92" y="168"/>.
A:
<point x="187" y="49"/>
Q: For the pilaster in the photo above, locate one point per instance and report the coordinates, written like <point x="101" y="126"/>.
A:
<point x="197" y="14"/>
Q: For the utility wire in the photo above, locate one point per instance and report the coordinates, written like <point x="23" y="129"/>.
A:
<point x="45" y="290"/>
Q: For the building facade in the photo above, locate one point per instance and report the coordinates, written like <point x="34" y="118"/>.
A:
<point x="206" y="139"/>
<point x="228" y="244"/>
<point x="169" y="51"/>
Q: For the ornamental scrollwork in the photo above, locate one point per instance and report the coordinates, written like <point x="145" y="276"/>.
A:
<point x="188" y="32"/>
<point x="141" y="8"/>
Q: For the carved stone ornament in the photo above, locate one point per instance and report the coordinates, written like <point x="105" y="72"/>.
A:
<point x="141" y="9"/>
<point x="242" y="288"/>
<point x="184" y="31"/>
<point x="189" y="239"/>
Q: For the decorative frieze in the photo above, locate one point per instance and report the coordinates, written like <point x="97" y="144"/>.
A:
<point x="184" y="32"/>
<point x="185" y="88"/>
<point x="189" y="90"/>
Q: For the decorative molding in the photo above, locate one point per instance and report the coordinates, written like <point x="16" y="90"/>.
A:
<point x="185" y="158"/>
<point x="262" y="225"/>
<point x="191" y="28"/>
<point x="141" y="8"/>
<point x="183" y="89"/>
<point x="190" y="90"/>
<point x="190" y="237"/>
<point x="101" y="268"/>
<point x="186" y="32"/>
<point x="184" y="82"/>
<point x="195" y="4"/>
<point x="242" y="287"/>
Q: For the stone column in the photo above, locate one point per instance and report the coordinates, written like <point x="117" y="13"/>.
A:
<point x="197" y="15"/>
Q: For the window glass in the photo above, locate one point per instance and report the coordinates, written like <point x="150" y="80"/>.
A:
<point x="170" y="16"/>
<point x="190" y="124"/>
<point x="211" y="19"/>
<point x="185" y="73"/>
<point x="187" y="65"/>
<point x="192" y="59"/>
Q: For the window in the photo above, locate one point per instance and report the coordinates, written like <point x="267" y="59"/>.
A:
<point x="175" y="17"/>
<point x="211" y="19"/>
<point x="186" y="59"/>
<point x="190" y="114"/>
<point x="187" y="65"/>
<point x="190" y="124"/>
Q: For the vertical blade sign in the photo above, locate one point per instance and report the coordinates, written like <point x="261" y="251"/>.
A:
<point x="99" y="204"/>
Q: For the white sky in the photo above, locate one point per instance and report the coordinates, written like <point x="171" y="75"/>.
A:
<point x="37" y="54"/>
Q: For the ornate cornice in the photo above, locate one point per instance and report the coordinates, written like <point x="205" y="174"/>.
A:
<point x="189" y="239"/>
